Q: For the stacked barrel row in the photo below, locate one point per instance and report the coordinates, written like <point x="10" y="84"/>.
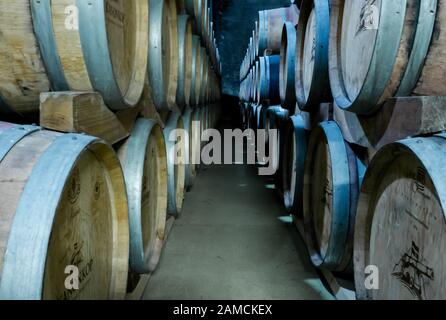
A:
<point x="379" y="216"/>
<point x="260" y="68"/>
<point x="72" y="205"/>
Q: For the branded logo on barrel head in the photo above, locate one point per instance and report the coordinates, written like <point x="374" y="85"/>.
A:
<point x="413" y="272"/>
<point x="369" y="17"/>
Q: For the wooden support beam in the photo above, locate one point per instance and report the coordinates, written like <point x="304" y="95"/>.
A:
<point x="398" y="119"/>
<point x="80" y="112"/>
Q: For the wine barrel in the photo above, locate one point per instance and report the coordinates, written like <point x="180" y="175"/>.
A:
<point x="270" y="28"/>
<point x="193" y="8"/>
<point x="163" y="54"/>
<point x="256" y="82"/>
<point x="400" y="224"/>
<point x="204" y="76"/>
<point x="276" y="117"/>
<point x="384" y="64"/>
<point x="192" y="154"/>
<point x="198" y="71"/>
<point x="312" y="78"/>
<point x="144" y="161"/>
<point x="333" y="176"/>
<point x="72" y="46"/>
<point x="176" y="170"/>
<point x="288" y="67"/>
<point x="269" y="72"/>
<point x="204" y="20"/>
<point x="294" y="155"/>
<point x="184" y="61"/>
<point x="63" y="203"/>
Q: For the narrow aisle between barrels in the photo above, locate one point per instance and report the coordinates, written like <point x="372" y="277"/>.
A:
<point x="232" y="242"/>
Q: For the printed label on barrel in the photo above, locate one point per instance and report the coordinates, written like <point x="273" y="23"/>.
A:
<point x="408" y="236"/>
<point x="81" y="237"/>
<point x="114" y="10"/>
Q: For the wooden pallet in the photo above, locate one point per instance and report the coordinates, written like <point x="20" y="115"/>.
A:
<point x="334" y="284"/>
<point x="138" y="293"/>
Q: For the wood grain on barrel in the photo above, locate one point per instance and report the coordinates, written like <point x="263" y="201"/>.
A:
<point x="176" y="179"/>
<point x="270" y="28"/>
<point x="288" y="67"/>
<point x="431" y="82"/>
<point x="69" y="47"/>
<point x="23" y="75"/>
<point x="333" y="174"/>
<point x="368" y="64"/>
<point x="295" y="152"/>
<point x="144" y="162"/>
<point x="312" y="77"/>
<point x="400" y="225"/>
<point x="83" y="223"/>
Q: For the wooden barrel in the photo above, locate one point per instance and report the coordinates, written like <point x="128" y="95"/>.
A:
<point x="63" y="204"/>
<point x="269" y="72"/>
<point x="196" y="51"/>
<point x="288" y="67"/>
<point x="163" y="54"/>
<point x="270" y="28"/>
<point x="204" y="21"/>
<point x="176" y="170"/>
<point x="385" y="64"/>
<point x="256" y="82"/>
<point x="401" y="225"/>
<point x="312" y="79"/>
<point x="204" y="76"/>
<point x="144" y="161"/>
<point x="192" y="154"/>
<point x="276" y="117"/>
<point x="197" y="66"/>
<point x="294" y="155"/>
<point x="194" y="9"/>
<point x="281" y="117"/>
<point x="333" y="176"/>
<point x="185" y="62"/>
<point x="181" y="7"/>
<point x="77" y="46"/>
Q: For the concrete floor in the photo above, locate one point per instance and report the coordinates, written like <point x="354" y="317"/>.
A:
<point x="231" y="243"/>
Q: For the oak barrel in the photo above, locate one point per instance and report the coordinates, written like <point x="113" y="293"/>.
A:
<point x="63" y="204"/>
<point x="269" y="72"/>
<point x="194" y="9"/>
<point x="401" y="222"/>
<point x="276" y="118"/>
<point x="203" y="75"/>
<point x="144" y="161"/>
<point x="369" y="64"/>
<point x="176" y="170"/>
<point x="196" y="75"/>
<point x="193" y="141"/>
<point x="312" y="78"/>
<point x="72" y="45"/>
<point x="163" y="54"/>
<point x="270" y="28"/>
<point x="184" y="61"/>
<point x="293" y="166"/>
<point x="288" y="67"/>
<point x="333" y="175"/>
